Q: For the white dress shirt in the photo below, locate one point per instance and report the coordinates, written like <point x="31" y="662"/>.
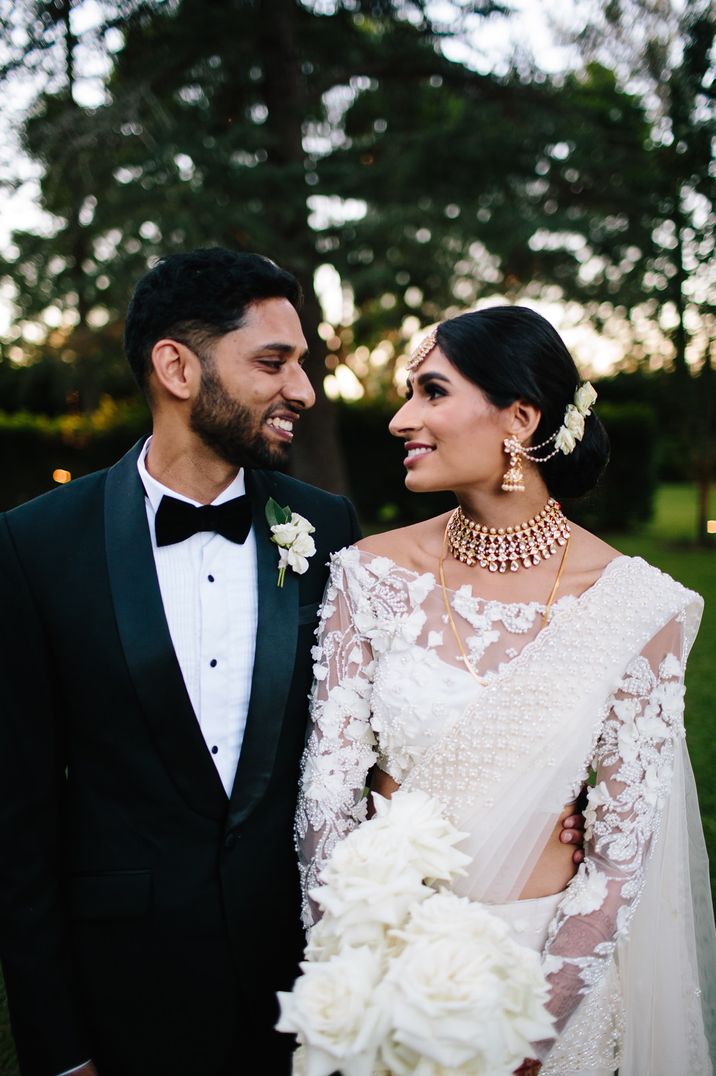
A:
<point x="209" y="590"/>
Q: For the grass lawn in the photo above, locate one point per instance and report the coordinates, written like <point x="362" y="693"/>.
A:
<point x="665" y="542"/>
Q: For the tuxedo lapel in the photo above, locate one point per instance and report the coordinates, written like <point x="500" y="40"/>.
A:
<point x="276" y="638"/>
<point x="147" y="643"/>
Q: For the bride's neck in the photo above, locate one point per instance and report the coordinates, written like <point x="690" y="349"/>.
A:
<point x="503" y="509"/>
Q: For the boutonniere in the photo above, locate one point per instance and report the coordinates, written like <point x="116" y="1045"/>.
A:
<point x="292" y="534"/>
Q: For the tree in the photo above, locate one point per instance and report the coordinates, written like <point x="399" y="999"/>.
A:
<point x="667" y="52"/>
<point x="222" y="120"/>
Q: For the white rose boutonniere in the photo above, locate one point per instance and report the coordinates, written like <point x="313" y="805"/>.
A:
<point x="292" y="534"/>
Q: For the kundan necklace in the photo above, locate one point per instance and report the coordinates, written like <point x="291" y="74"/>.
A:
<point x="499" y="549"/>
<point x="493" y="548"/>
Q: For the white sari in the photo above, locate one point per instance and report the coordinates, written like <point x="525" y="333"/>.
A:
<point x="630" y="950"/>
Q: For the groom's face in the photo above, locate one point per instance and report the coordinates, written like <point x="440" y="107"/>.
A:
<point x="253" y="388"/>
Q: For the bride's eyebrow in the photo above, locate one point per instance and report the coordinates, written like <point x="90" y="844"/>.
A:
<point x="431" y="376"/>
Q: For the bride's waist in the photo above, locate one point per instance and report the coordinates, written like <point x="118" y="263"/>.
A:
<point x="528" y="920"/>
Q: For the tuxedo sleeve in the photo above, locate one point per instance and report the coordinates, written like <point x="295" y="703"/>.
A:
<point x="354" y="526"/>
<point x="34" y="935"/>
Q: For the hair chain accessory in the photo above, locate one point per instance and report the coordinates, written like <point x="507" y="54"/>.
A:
<point x="501" y="549"/>
<point x="564" y="439"/>
<point x="422" y="351"/>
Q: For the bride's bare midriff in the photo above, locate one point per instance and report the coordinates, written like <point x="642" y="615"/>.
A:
<point x="554" y="868"/>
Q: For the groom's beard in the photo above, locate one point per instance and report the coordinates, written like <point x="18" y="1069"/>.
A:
<point x="231" y="429"/>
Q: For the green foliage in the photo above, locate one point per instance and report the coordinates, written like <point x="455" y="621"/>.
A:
<point x="32" y="447"/>
<point x="377" y="473"/>
<point x="275" y="514"/>
<point x="624" y="497"/>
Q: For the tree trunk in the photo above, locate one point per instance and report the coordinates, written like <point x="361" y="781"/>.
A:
<point x="318" y="456"/>
<point x="704" y="434"/>
<point x="79" y="242"/>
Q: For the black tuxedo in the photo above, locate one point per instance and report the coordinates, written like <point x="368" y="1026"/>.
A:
<point x="146" y="920"/>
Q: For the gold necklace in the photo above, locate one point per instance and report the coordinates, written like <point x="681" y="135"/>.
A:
<point x="500" y="548"/>
<point x="441" y="564"/>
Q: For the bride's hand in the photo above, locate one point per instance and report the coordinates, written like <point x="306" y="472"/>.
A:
<point x="528" y="1068"/>
<point x="573" y="833"/>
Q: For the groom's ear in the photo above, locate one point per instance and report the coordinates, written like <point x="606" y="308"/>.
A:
<point x="176" y="370"/>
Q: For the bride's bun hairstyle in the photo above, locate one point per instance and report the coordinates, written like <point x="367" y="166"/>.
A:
<point x="513" y="353"/>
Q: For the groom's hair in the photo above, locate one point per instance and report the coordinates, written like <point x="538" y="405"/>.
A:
<point x="196" y="298"/>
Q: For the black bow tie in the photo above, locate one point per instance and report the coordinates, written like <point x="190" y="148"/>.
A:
<point x="176" y="520"/>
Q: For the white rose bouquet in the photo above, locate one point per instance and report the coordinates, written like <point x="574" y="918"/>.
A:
<point x="404" y="978"/>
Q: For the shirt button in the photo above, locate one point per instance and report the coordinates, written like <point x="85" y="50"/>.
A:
<point x="215" y="750"/>
<point x="210" y="578"/>
<point x="213" y="663"/>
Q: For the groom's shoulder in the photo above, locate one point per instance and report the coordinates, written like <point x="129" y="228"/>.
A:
<point x="288" y="485"/>
<point x="59" y="510"/>
<point x="321" y="508"/>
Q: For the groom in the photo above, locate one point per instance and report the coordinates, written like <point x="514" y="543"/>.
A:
<point x="153" y="685"/>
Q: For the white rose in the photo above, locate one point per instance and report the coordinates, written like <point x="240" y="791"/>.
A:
<point x="282" y="557"/>
<point x="284" y="533"/>
<point x="447" y="986"/>
<point x="564" y="441"/>
<point x="297" y="562"/>
<point x="368" y="879"/>
<point x="574" y="422"/>
<point x="335" y="1009"/>
<point x="429" y="837"/>
<point x="584" y="397"/>
<point x="304" y="545"/>
<point x="324" y="941"/>
<point x="301" y="524"/>
<point x="447" y="915"/>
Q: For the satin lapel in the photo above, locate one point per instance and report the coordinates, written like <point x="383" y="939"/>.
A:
<point x="147" y="643"/>
<point x="276" y="638"/>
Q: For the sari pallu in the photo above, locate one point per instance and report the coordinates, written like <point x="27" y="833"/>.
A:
<point x="631" y="950"/>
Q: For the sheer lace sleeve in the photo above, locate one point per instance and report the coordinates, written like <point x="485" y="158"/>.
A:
<point x="341" y="747"/>
<point x="634" y="764"/>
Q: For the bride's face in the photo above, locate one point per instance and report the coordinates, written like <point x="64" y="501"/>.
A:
<point x="453" y="434"/>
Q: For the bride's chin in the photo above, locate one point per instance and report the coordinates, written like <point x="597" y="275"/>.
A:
<point x="417" y="484"/>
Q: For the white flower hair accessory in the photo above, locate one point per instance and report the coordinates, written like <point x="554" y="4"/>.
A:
<point x="564" y="439"/>
<point x="292" y="534"/>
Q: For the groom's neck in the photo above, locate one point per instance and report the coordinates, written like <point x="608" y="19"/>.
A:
<point x="182" y="462"/>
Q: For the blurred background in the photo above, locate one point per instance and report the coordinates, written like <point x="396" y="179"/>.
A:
<point x="407" y="161"/>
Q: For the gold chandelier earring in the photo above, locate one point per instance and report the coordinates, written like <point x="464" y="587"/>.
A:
<point x="513" y="480"/>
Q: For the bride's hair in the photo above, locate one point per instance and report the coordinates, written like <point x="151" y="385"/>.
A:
<point x="513" y="353"/>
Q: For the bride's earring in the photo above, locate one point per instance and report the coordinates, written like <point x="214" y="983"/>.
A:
<point x="513" y="480"/>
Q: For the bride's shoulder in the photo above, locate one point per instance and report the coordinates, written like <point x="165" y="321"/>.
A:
<point x="589" y="557"/>
<point x="414" y="547"/>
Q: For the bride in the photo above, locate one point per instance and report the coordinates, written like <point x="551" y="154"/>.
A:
<point x="498" y="656"/>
